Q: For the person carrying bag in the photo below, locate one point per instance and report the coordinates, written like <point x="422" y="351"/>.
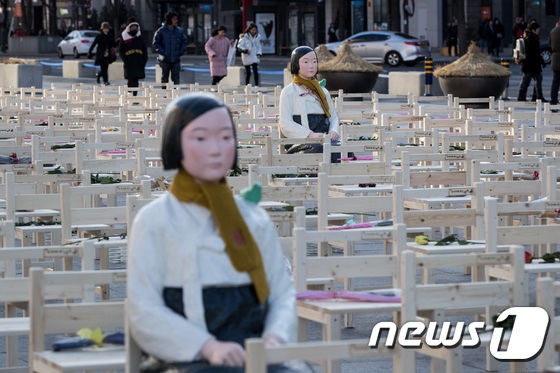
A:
<point x="251" y="51"/>
<point x="106" y="52"/>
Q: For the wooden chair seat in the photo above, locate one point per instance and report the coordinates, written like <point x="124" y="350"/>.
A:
<point x="338" y="306"/>
<point x="335" y="219"/>
<point x="38" y="213"/>
<point x="14" y="326"/>
<point x="72" y="361"/>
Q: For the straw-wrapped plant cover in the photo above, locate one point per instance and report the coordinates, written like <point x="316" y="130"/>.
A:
<point x="472" y="64"/>
<point x="323" y="54"/>
<point x="348" y="61"/>
<point x="17" y="61"/>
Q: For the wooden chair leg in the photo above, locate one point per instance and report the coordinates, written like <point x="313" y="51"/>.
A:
<point x="105" y="291"/>
<point x="349" y="250"/>
<point x="331" y="332"/>
<point x="454" y="362"/>
<point x="302" y="330"/>
<point x="11" y="341"/>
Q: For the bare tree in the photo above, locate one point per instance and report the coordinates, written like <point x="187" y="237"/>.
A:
<point x="4" y="26"/>
<point x="462" y="26"/>
<point x="394" y="16"/>
<point x="152" y="5"/>
<point x="115" y="10"/>
<point x="27" y="8"/>
<point x="344" y="23"/>
<point x="51" y="6"/>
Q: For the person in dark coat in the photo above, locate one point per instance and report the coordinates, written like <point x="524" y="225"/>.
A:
<point x="490" y="37"/>
<point x="104" y="42"/>
<point x="482" y="35"/>
<point x="452" y="37"/>
<point x="171" y="43"/>
<point x="498" y="36"/>
<point x="531" y="65"/>
<point x="134" y="54"/>
<point x="554" y="42"/>
<point x="332" y="34"/>
<point x="518" y="28"/>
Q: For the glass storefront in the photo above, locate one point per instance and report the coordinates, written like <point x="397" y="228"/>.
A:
<point x="380" y="14"/>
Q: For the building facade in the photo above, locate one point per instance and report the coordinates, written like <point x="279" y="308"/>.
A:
<point x="285" y="24"/>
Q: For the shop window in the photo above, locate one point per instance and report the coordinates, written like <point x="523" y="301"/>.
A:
<point x="309" y="28"/>
<point x="293" y="27"/>
<point x="381" y="14"/>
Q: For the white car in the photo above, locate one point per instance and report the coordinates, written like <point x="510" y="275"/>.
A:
<point x="77" y="43"/>
<point x="390" y="47"/>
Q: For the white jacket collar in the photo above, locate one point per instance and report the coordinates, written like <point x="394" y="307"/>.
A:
<point x="125" y="34"/>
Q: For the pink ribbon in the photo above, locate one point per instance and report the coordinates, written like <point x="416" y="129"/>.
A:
<point x="346" y="295"/>
<point x="361" y="225"/>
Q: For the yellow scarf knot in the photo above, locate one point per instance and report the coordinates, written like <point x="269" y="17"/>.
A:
<point x="241" y="247"/>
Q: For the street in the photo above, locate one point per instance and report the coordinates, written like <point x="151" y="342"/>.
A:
<point x="276" y="64"/>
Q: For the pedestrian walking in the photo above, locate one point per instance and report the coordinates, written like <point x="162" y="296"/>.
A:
<point x="452" y="37"/>
<point x="531" y="21"/>
<point x="217" y="48"/>
<point x="498" y="36"/>
<point x="134" y="54"/>
<point x="490" y="37"/>
<point x="105" y="43"/>
<point x="251" y="51"/>
<point x="171" y="43"/>
<point x="518" y="28"/>
<point x="554" y="42"/>
<point x="482" y="35"/>
<point x="332" y="34"/>
<point x="531" y="65"/>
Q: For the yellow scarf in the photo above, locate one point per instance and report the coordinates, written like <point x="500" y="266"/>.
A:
<point x="314" y="85"/>
<point x="240" y="245"/>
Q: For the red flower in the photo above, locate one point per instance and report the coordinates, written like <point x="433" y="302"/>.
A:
<point x="528" y="257"/>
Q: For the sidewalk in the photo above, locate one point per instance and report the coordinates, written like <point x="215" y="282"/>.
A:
<point x="436" y="56"/>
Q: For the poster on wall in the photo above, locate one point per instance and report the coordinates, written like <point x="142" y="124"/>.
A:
<point x="267" y="30"/>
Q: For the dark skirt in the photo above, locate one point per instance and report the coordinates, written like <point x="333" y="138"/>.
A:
<point x="232" y="314"/>
<point x="318" y="123"/>
<point x="203" y="367"/>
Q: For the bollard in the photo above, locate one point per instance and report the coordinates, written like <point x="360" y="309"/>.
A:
<point x="429" y="72"/>
<point x="505" y="65"/>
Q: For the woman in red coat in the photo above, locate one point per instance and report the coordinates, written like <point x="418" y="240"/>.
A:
<point x="217" y="48"/>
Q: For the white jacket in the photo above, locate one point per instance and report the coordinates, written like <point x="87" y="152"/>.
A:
<point x="246" y="42"/>
<point x="176" y="244"/>
<point x="295" y="101"/>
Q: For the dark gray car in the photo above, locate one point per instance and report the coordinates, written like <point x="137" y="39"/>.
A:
<point x="546" y="52"/>
<point x="390" y="47"/>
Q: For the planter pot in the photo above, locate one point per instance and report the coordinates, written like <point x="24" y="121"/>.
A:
<point x="465" y="87"/>
<point x="350" y="82"/>
<point x="21" y="75"/>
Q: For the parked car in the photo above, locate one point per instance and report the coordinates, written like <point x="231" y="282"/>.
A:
<point x="390" y="47"/>
<point x="77" y="43"/>
<point x="546" y="52"/>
